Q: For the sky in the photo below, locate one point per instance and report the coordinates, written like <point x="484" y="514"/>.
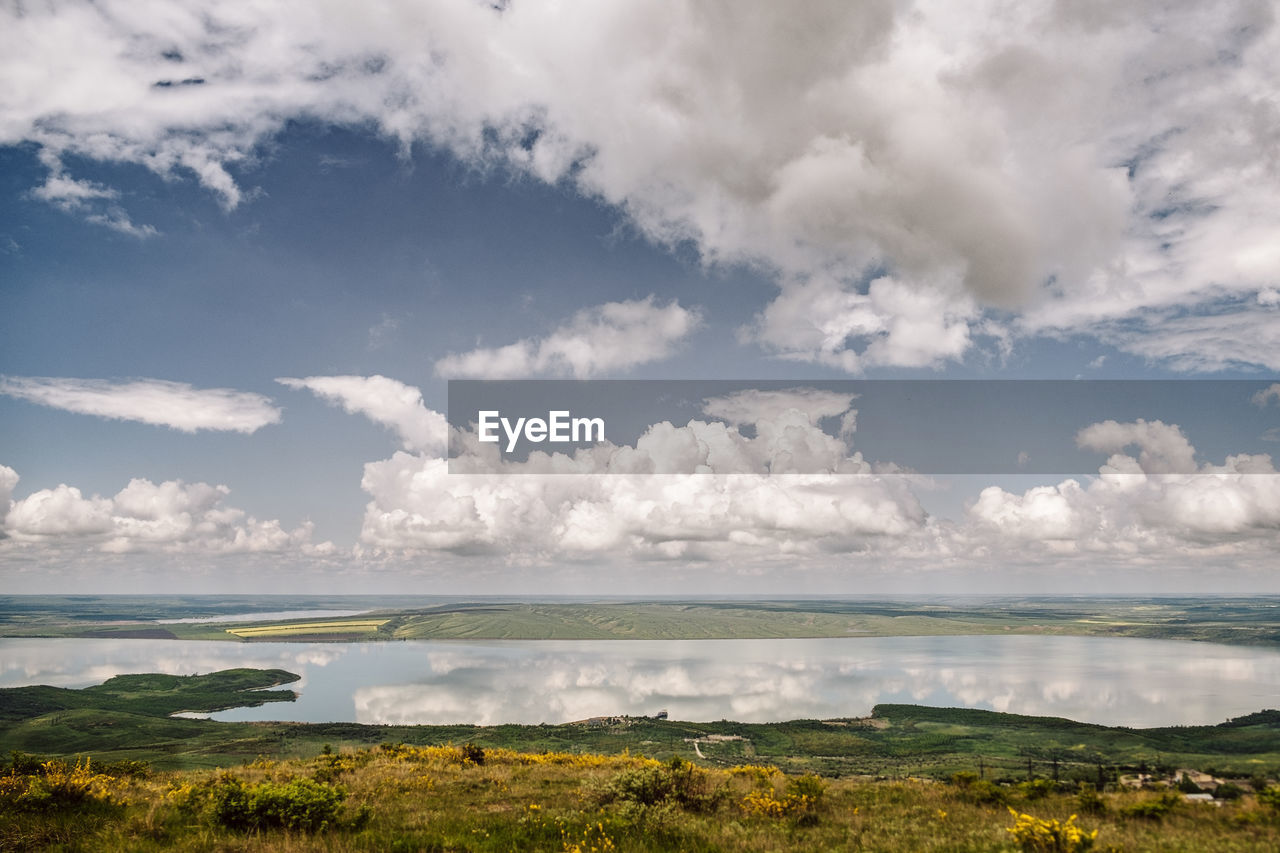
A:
<point x="245" y="246"/>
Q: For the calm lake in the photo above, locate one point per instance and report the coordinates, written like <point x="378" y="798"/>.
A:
<point x="1101" y="680"/>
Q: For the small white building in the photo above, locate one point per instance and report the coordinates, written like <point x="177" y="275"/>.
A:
<point x="1202" y="798"/>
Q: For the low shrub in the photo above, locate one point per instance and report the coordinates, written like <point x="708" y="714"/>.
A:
<point x="1228" y="791"/>
<point x="678" y="781"/>
<point x="809" y="785"/>
<point x="297" y="804"/>
<point x="1089" y="801"/>
<point x="472" y="754"/>
<point x="1153" y="809"/>
<point x="1037" y="789"/>
<point x="330" y="766"/>
<point x="24" y="764"/>
<point x="985" y="793"/>
<point x="126" y="769"/>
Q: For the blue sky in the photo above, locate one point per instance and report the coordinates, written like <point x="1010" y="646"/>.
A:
<point x="198" y="202"/>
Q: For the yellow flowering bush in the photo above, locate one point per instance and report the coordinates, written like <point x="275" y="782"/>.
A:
<point x="766" y="804"/>
<point x="576" y="759"/>
<point x="55" y="784"/>
<point x="1038" y="835"/>
<point x="466" y="755"/>
<point x="804" y="793"/>
<point x="761" y="774"/>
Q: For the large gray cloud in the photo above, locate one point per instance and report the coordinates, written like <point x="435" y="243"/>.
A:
<point x="1099" y="167"/>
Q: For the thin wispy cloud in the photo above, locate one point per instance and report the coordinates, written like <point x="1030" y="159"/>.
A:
<point x="158" y="402"/>
<point x="384" y="401"/>
<point x="613" y="337"/>
<point x="383" y="332"/>
<point x="96" y="203"/>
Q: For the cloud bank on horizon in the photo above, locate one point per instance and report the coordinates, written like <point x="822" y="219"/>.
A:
<point x="913" y="175"/>
<point x="783" y="491"/>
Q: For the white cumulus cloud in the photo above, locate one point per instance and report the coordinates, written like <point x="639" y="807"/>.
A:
<point x="8" y="482"/>
<point x="698" y="492"/>
<point x="828" y="322"/>
<point x="1164" y="449"/>
<point x="1159" y="506"/>
<point x="1266" y="395"/>
<point x="791" y="486"/>
<point x="168" y="517"/>
<point x="418" y="506"/>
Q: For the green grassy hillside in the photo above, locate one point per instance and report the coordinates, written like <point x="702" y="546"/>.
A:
<point x="127" y="718"/>
<point x="153" y="694"/>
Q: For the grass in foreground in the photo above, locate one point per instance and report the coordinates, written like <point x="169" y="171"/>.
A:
<point x="463" y="798"/>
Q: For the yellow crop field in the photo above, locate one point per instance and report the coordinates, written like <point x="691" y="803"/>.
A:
<point x="302" y="628"/>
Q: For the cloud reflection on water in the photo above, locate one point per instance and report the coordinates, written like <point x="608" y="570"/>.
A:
<point x="1114" y="681"/>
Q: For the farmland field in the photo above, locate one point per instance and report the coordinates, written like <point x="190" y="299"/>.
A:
<point x="1243" y="621"/>
<point x="308" y="629"/>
